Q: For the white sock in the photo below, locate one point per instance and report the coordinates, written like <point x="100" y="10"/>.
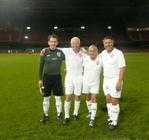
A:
<point x="88" y="104"/>
<point x="93" y="110"/>
<point x="76" y="107"/>
<point x="58" y="104"/>
<point x="46" y="105"/>
<point x="109" y="109"/>
<point x="115" y="113"/>
<point x="67" y="108"/>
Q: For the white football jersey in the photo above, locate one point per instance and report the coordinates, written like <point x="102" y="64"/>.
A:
<point x="74" y="61"/>
<point x="92" y="69"/>
<point x="112" y="62"/>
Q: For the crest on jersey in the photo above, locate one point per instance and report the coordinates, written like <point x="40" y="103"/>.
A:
<point x="86" y="60"/>
<point x="97" y="62"/>
<point x="80" y="54"/>
<point x="112" y="55"/>
<point x="107" y="87"/>
<point x="59" y="54"/>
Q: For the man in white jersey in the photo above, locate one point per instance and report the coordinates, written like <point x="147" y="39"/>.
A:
<point x="73" y="79"/>
<point x="92" y="68"/>
<point x="113" y="68"/>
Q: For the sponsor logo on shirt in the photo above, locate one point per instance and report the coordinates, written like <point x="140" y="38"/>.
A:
<point x="55" y="58"/>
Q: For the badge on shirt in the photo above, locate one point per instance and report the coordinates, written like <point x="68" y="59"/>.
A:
<point x="80" y="54"/>
<point x="97" y="62"/>
<point x="107" y="87"/>
<point x="86" y="61"/>
<point x="112" y="55"/>
<point x="59" y="54"/>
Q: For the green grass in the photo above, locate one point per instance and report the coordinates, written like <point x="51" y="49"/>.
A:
<point x="21" y="104"/>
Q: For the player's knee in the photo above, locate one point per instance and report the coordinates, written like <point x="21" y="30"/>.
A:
<point x="88" y="97"/>
<point x="93" y="98"/>
<point x="57" y="97"/>
<point x="114" y="101"/>
<point x="68" y="98"/>
<point x="108" y="98"/>
<point x="77" y="98"/>
<point x="46" y="99"/>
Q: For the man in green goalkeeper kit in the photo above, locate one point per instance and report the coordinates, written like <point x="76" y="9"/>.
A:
<point x="50" y="77"/>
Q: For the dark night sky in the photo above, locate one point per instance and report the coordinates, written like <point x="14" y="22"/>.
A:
<point x="71" y="13"/>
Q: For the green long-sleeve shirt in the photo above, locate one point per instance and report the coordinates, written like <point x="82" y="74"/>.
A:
<point x="50" y="62"/>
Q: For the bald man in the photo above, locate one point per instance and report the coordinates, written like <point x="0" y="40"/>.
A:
<point x="73" y="79"/>
<point x="92" y="68"/>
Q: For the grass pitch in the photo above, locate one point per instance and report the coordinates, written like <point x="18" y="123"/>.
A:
<point x="21" y="104"/>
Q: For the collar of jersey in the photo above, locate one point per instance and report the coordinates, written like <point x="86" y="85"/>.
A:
<point x="111" y="51"/>
<point x="74" y="52"/>
<point x="52" y="50"/>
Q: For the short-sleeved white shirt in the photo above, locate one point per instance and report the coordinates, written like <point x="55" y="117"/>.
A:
<point x="92" y="69"/>
<point x="112" y="62"/>
<point x="74" y="61"/>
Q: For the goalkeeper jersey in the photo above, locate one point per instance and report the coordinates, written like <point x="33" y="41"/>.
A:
<point x="50" y="62"/>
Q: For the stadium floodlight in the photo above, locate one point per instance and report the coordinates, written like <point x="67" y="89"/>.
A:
<point x="28" y="27"/>
<point x="82" y="27"/>
<point x="26" y="37"/>
<point x="109" y="27"/>
<point x="55" y="27"/>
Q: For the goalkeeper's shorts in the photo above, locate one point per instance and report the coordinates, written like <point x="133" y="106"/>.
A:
<point x="52" y="83"/>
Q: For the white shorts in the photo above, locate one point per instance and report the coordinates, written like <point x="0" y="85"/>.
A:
<point x="73" y="84"/>
<point x="109" y="87"/>
<point x="90" y="88"/>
